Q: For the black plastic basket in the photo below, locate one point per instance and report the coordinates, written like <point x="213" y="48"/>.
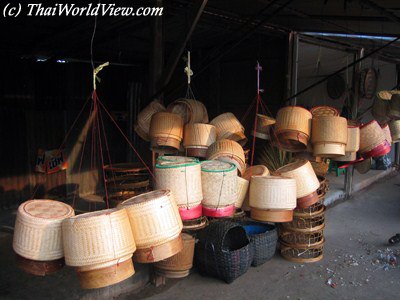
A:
<point x="263" y="239"/>
<point x="223" y="251"/>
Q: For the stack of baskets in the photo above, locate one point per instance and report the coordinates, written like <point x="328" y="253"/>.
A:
<point x="38" y="237"/>
<point x="125" y="180"/>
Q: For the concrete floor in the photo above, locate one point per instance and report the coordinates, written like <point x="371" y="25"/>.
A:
<point x="356" y="235"/>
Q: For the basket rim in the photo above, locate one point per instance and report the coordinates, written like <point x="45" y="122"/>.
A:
<point x="26" y="214"/>
<point x="320" y="106"/>
<point x="291" y="106"/>
<point x="233" y="167"/>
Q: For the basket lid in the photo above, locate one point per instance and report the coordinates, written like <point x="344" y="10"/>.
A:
<point x="166" y="162"/>
<point x="320" y="111"/>
<point x="46" y="209"/>
<point x="217" y="166"/>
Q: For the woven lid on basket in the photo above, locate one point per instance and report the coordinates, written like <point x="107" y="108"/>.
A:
<point x="322" y="111"/>
<point x="46" y="209"/>
<point x="256" y="170"/>
<point x="165" y="162"/>
<point x="217" y="166"/>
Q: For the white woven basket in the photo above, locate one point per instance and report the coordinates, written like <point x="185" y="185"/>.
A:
<point x="97" y="238"/>
<point x="37" y="231"/>
<point x="182" y="176"/>
<point x="243" y="188"/>
<point x="219" y="182"/>
<point x="154" y="218"/>
<point x="142" y="126"/>
<point x="272" y="192"/>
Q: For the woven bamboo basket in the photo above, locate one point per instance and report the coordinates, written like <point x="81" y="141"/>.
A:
<point x="393" y="111"/>
<point x="182" y="176"/>
<point x="219" y="182"/>
<point x="229" y="127"/>
<point x="156" y="225"/>
<point x="191" y="111"/>
<point x="395" y="130"/>
<point x="228" y="151"/>
<point x="302" y="171"/>
<point x="243" y="187"/>
<point x="380" y="107"/>
<point x="37" y="231"/>
<point x="166" y="132"/>
<point x="272" y="215"/>
<point x="264" y="124"/>
<point x="353" y="139"/>
<point x="197" y="137"/>
<point x="386" y="131"/>
<point x="295" y="239"/>
<point x="303" y="254"/>
<point x="306" y="223"/>
<point x="329" y="136"/>
<point x="371" y="136"/>
<point x="98" y="238"/>
<point x="179" y="265"/>
<point x="310" y="211"/>
<point x="256" y="170"/>
<point x="142" y="125"/>
<point x="272" y="192"/>
<point x="324" y="111"/>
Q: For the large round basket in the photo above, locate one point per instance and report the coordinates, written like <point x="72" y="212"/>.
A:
<point x="395" y="130"/>
<point x="97" y="243"/>
<point x="394" y="107"/>
<point x="219" y="182"/>
<point x="37" y="231"/>
<point x="191" y="111"/>
<point x="272" y="192"/>
<point x="386" y="131"/>
<point x="229" y="127"/>
<point x="372" y="140"/>
<point x="142" y="125"/>
<point x="197" y="137"/>
<point x="293" y="128"/>
<point x="303" y="254"/>
<point x="329" y="136"/>
<point x="156" y="225"/>
<point x="179" y="265"/>
<point x="302" y="171"/>
<point x="264" y="124"/>
<point x="324" y="111"/>
<point x="182" y="176"/>
<point x="228" y="151"/>
<point x="243" y="187"/>
<point x="166" y="132"/>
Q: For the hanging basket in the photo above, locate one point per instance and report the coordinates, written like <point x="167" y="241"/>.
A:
<point x="197" y="138"/>
<point x="324" y="111"/>
<point x="228" y="151"/>
<point x="142" y="125"/>
<point x="372" y="140"/>
<point x="293" y="128"/>
<point x="223" y="251"/>
<point x="264" y="124"/>
<point x="386" y="131"/>
<point x="243" y="187"/>
<point x="191" y="111"/>
<point x="329" y="136"/>
<point x="166" y="132"/>
<point x="394" y="107"/>
<point x="229" y="127"/>
<point x="395" y="130"/>
<point x="266" y="192"/>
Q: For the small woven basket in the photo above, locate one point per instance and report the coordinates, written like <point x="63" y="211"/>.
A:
<point x="395" y="130"/>
<point x="154" y="218"/>
<point x="199" y="136"/>
<point x="142" y="125"/>
<point x="302" y="171"/>
<point x="228" y="151"/>
<point x="272" y="192"/>
<point x="223" y="251"/>
<point x="191" y="111"/>
<point x="97" y="239"/>
<point x="179" y="265"/>
<point x="229" y="127"/>
<point x="329" y="136"/>
<point x="166" y="132"/>
<point x="37" y="231"/>
<point x="219" y="182"/>
<point x="324" y="111"/>
<point x="263" y="239"/>
<point x="243" y="187"/>
<point x="182" y="176"/>
<point x="386" y="131"/>
<point x="371" y="136"/>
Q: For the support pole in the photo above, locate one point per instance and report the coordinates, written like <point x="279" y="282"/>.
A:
<point x="295" y="69"/>
<point x="397" y="145"/>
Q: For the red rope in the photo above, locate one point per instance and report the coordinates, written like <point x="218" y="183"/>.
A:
<point x="254" y="131"/>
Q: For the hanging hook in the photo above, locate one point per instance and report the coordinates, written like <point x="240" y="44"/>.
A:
<point x="97" y="71"/>
<point x="258" y="69"/>
<point x="188" y="70"/>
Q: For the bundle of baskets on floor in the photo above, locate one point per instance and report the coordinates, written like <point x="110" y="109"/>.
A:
<point x="223" y="251"/>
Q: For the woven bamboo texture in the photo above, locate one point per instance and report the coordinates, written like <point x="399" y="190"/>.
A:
<point x="264" y="124"/>
<point x="97" y="237"/>
<point x="165" y="126"/>
<point x="198" y="134"/>
<point x="353" y="139"/>
<point x="163" y="251"/>
<point x="181" y="261"/>
<point x="395" y="130"/>
<point x="371" y="135"/>
<point x="394" y="107"/>
<point x="182" y="178"/>
<point x="306" y="223"/>
<point x="310" y="211"/>
<point x="272" y="192"/>
<point x="256" y="170"/>
<point x="324" y="111"/>
<point x="142" y="126"/>
<point x="228" y="127"/>
<point x="300" y="239"/>
<point x="219" y="182"/>
<point x="303" y="254"/>
<point x="191" y="111"/>
<point x="272" y="215"/>
<point x="154" y="218"/>
<point x="386" y="131"/>
<point x="37" y="231"/>
<point x="293" y="118"/>
<point x="302" y="171"/>
<point x="243" y="187"/>
<point x="329" y="135"/>
<point x="230" y="151"/>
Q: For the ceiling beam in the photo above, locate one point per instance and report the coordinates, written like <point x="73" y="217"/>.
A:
<point x="380" y="10"/>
